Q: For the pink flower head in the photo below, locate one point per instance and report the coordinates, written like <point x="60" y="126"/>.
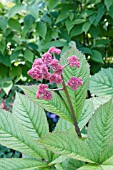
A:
<point x="58" y="79"/>
<point x="54" y="50"/>
<point x="74" y="83"/>
<point x="37" y="62"/>
<point x="43" y="93"/>
<point x="59" y="69"/>
<point x="42" y="88"/>
<point x="47" y="95"/>
<point x="35" y="73"/>
<point x="47" y="58"/>
<point x="54" y="63"/>
<point x="52" y="78"/>
<point x="73" y="61"/>
<point x="44" y="69"/>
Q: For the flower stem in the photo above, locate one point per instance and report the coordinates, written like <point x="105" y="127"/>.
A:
<point x="57" y="89"/>
<point x="77" y="129"/>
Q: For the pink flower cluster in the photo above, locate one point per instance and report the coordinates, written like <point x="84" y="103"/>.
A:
<point x="73" y="61"/>
<point x="49" y="68"/>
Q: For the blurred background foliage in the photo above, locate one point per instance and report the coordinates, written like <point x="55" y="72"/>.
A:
<point x="29" y="28"/>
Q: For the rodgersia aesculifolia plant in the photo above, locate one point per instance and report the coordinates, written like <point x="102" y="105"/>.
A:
<point x="82" y="138"/>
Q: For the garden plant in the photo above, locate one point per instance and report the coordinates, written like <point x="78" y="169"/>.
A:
<point x="82" y="138"/>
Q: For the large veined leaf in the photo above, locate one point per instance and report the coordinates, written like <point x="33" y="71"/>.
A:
<point x="56" y="105"/>
<point x="31" y="116"/>
<point x="102" y="82"/>
<point x="100" y="133"/>
<point x="21" y="164"/>
<point x="63" y="125"/>
<point x="68" y="144"/>
<point x="87" y="113"/>
<point x="77" y="96"/>
<point x="88" y="110"/>
<point x="13" y="135"/>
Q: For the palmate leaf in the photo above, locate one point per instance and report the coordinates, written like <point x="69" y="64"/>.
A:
<point x="31" y="116"/>
<point x="100" y="133"/>
<point x="102" y="83"/>
<point x="77" y="96"/>
<point x="13" y="135"/>
<point x="67" y="144"/>
<point x="56" y="105"/>
<point x="21" y="164"/>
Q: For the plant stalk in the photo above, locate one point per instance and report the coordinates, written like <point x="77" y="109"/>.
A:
<point x="77" y="129"/>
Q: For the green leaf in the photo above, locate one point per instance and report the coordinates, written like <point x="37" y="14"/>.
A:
<point x="13" y="23"/>
<point x="100" y="133"/>
<point x="100" y="14"/>
<point x="108" y="161"/>
<point x="28" y="55"/>
<point x="7" y="84"/>
<point x="68" y="144"/>
<point x="31" y="116"/>
<point x="28" y="22"/>
<point x="20" y="164"/>
<point x="16" y="9"/>
<point x="70" y="24"/>
<point x="56" y="105"/>
<point x="97" y="56"/>
<point x="52" y="4"/>
<point x="78" y="96"/>
<point x="102" y="82"/>
<point x="90" y="167"/>
<point x="13" y="135"/>
<point x="77" y="30"/>
<point x="106" y="167"/>
<point x="108" y="4"/>
<point x="62" y="17"/>
<point x="41" y="29"/>
<point x="5" y="60"/>
<point x="15" y="72"/>
<point x="3" y="23"/>
<point x="71" y="164"/>
<point x="86" y="26"/>
<point x="2" y="46"/>
<point x="87" y="112"/>
<point x="63" y="125"/>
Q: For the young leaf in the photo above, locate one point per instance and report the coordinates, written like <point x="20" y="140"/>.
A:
<point x="68" y="144"/>
<point x="100" y="132"/>
<point x="56" y="105"/>
<point x="21" y="164"/>
<point x="102" y="82"/>
<point x="78" y="96"/>
<point x="31" y="116"/>
<point x="13" y="135"/>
